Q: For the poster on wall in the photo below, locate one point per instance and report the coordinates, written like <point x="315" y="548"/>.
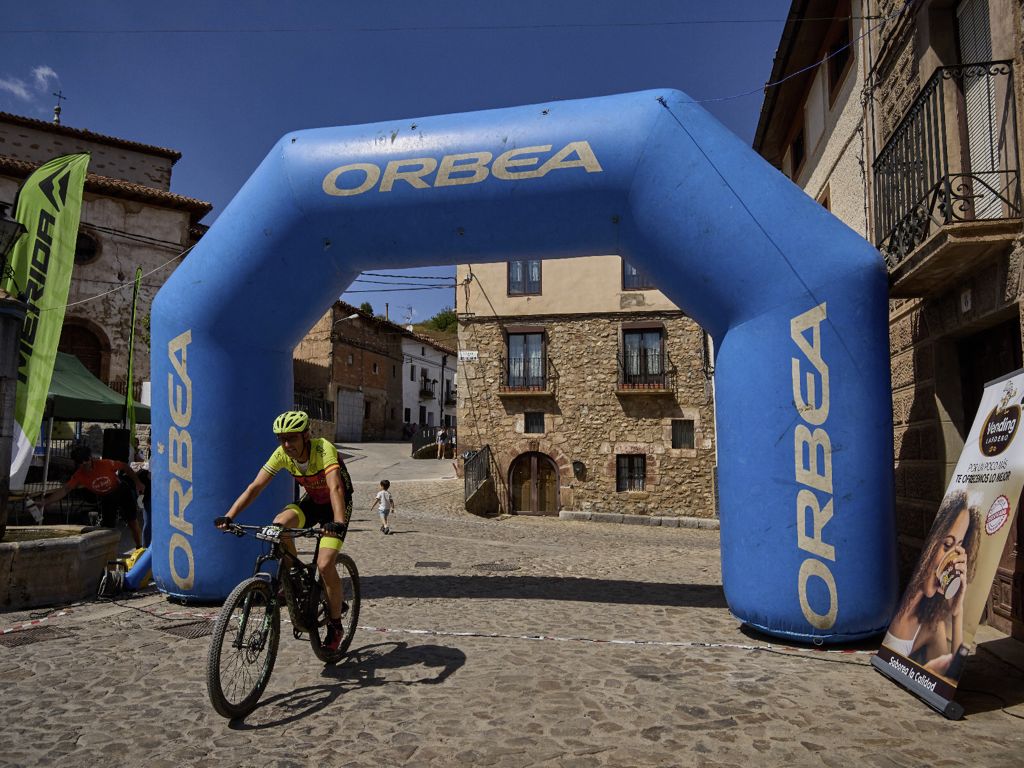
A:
<point x="933" y="629"/>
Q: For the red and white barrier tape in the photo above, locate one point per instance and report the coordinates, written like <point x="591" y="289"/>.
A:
<point x="655" y="643"/>
<point x="30" y="624"/>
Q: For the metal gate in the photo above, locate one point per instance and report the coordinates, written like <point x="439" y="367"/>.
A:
<point x="350" y="416"/>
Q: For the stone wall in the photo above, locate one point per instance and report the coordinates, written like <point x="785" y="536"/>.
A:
<point x="36" y="144"/>
<point x="586" y="420"/>
<point x="928" y="418"/>
<point x="358" y="354"/>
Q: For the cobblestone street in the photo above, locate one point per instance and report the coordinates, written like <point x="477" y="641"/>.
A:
<point x="512" y="642"/>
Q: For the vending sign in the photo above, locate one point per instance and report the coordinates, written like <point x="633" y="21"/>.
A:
<point x="933" y="630"/>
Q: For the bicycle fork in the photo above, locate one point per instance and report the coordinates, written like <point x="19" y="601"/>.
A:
<point x="259" y="638"/>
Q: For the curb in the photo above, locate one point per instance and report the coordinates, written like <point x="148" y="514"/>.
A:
<point x="703" y="523"/>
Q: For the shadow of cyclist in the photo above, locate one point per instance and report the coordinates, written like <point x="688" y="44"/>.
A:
<point x="362" y="668"/>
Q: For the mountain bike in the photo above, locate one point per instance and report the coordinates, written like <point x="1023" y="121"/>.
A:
<point x="248" y="628"/>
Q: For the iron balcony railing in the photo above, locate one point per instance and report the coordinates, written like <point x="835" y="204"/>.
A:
<point x="317" y="407"/>
<point x="952" y="158"/>
<point x="426" y="388"/>
<point x="475" y="470"/>
<point x="451" y="397"/>
<point x="524" y="374"/>
<point x="644" y="369"/>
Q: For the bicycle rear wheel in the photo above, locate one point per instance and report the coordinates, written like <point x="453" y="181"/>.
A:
<point x="349" y="576"/>
<point x="243" y="648"/>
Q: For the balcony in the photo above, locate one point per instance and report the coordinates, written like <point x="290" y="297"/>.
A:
<point x="643" y="372"/>
<point x="451" y="398"/>
<point x="427" y="389"/>
<point x="947" y="183"/>
<point x="524" y="376"/>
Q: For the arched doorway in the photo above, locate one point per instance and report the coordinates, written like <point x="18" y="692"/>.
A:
<point x="533" y="484"/>
<point x="81" y="342"/>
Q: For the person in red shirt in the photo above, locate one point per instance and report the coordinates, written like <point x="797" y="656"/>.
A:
<point x="101" y="477"/>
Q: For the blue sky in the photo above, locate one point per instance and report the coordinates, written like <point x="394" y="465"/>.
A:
<point x="222" y="81"/>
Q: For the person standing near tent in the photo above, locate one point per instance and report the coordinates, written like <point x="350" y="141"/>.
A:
<point x="104" y="478"/>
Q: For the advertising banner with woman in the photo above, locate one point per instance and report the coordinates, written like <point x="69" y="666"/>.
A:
<point x="933" y="629"/>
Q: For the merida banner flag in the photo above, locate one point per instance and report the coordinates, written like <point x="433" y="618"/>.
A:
<point x="49" y="205"/>
<point x="933" y="630"/>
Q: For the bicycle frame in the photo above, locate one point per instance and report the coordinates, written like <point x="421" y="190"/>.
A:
<point x="273" y="534"/>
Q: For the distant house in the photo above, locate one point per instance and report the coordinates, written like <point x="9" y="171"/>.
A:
<point x="363" y="378"/>
<point x="428" y="383"/>
<point x="591" y="390"/>
<point x="130" y="219"/>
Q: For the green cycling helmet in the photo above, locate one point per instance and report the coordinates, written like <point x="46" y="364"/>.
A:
<point x="291" y="421"/>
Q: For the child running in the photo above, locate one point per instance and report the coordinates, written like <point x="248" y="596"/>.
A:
<point x="385" y="504"/>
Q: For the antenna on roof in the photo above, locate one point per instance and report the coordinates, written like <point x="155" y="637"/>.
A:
<point x="408" y="313"/>
<point x="56" y="110"/>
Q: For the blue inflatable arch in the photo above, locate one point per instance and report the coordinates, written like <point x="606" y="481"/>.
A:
<point x="795" y="301"/>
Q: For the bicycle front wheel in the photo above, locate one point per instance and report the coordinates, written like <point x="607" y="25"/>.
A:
<point x="348" y="575"/>
<point x="243" y="648"/>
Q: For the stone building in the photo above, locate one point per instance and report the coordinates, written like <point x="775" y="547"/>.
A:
<point x="908" y="132"/>
<point x="348" y="375"/>
<point x="353" y="373"/>
<point x="130" y="219"/>
<point x="590" y="388"/>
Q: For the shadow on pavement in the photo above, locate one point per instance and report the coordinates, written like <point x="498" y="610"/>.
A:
<point x="989" y="682"/>
<point x="362" y="668"/>
<point x="545" y="588"/>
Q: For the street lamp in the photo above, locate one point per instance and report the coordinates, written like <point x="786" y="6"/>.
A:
<point x="353" y="316"/>
<point x="12" y="319"/>
<point x="10" y="231"/>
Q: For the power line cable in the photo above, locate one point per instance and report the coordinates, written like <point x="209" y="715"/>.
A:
<point x="122" y="286"/>
<point x="386" y="282"/>
<point x="440" y="28"/>
<point x="401" y="290"/>
<point x="809" y="67"/>
<point x="407" y="277"/>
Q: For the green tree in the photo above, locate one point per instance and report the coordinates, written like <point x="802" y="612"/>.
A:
<point x="444" y="320"/>
<point x="367" y="307"/>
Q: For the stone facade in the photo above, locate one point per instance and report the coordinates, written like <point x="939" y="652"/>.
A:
<point x="928" y="416"/>
<point x="956" y="321"/>
<point x="129" y="219"/>
<point x="35" y="141"/>
<point x="355" y="364"/>
<point x="588" y="419"/>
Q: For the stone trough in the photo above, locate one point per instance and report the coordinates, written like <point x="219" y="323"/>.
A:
<point x="53" y="570"/>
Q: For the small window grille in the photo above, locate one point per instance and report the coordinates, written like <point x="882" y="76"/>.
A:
<point x="533" y="422"/>
<point x="630" y="472"/>
<point x="682" y="433"/>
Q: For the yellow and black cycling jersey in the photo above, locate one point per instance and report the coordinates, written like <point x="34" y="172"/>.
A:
<point x="323" y="460"/>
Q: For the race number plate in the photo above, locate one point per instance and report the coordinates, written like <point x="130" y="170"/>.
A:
<point x="269" y="533"/>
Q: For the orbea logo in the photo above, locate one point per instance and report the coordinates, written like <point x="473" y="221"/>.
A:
<point x="999" y="430"/>
<point x="464" y="168"/>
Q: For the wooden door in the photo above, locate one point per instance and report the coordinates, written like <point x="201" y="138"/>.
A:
<point x="533" y="484"/>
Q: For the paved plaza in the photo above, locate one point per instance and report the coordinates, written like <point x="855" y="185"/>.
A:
<point x="506" y="642"/>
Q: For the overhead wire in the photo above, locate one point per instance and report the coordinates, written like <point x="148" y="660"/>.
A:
<point x="413" y="28"/>
<point x="881" y="20"/>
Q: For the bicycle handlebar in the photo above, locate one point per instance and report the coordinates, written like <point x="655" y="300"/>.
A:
<point x="309" y="533"/>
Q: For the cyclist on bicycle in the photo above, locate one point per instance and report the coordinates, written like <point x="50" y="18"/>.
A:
<point x="316" y="466"/>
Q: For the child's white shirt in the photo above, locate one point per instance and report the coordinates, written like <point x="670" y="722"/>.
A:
<point x="384" y="501"/>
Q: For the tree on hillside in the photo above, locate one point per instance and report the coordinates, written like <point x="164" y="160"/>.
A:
<point x="444" y="320"/>
<point x="367" y="307"/>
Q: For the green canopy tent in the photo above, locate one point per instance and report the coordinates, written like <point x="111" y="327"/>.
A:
<point x="77" y="395"/>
